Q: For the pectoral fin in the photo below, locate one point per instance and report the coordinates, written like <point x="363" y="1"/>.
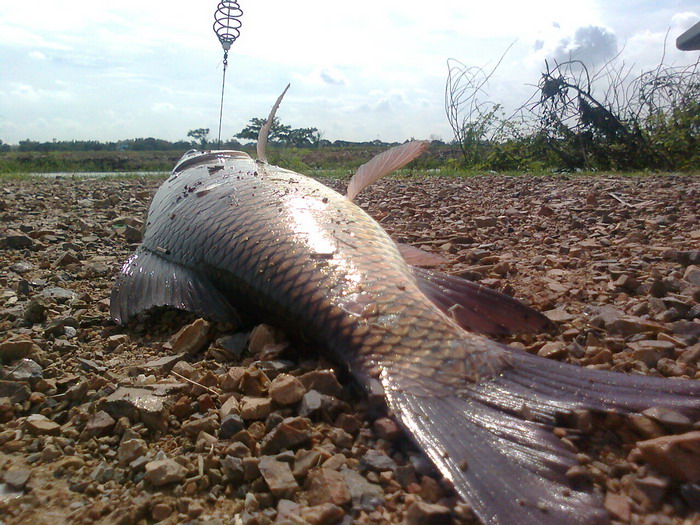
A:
<point x="477" y="308"/>
<point x="147" y="280"/>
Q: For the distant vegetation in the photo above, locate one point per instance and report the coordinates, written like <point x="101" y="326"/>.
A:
<point x="576" y="119"/>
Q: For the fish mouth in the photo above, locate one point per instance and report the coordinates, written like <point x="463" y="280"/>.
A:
<point x="196" y="157"/>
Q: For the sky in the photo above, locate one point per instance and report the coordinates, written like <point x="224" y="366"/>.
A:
<point x="359" y="71"/>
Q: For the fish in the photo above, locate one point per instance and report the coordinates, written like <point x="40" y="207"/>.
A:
<point x="235" y="239"/>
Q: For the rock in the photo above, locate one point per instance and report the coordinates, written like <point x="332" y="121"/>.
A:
<point x="278" y="477"/>
<point x="559" y="315"/>
<point x="17" y="392"/>
<point x="14" y="349"/>
<point x="230" y="406"/>
<point x="139" y="404"/>
<point x="254" y="382"/>
<point x="24" y="370"/>
<point x="286" y="389"/>
<point x="485" y="222"/>
<point x="323" y="381"/>
<point x="99" y="425"/>
<point x="17" y="478"/>
<point x="35" y="312"/>
<point x="132" y="235"/>
<point x="386" y="428"/>
<point x="324" y="514"/>
<point x="161" y="511"/>
<point x="261" y="336"/>
<point x="42" y="426"/>
<point x="231" y="381"/>
<point x="421" y="513"/>
<point x="365" y="495"/>
<point x="552" y="350"/>
<point x="618" y="506"/>
<point x="165" y="364"/>
<point x="193" y="338"/>
<point x="193" y="427"/>
<point x="230" y="425"/>
<point x="290" y="434"/>
<point x="340" y="438"/>
<point x="130" y="450"/>
<point x="58" y="295"/>
<point x="66" y="258"/>
<point x="376" y="461"/>
<point x="676" y="456"/>
<point x="255" y="407"/>
<point x="16" y="241"/>
<point x="327" y="486"/>
<point x="164" y="471"/>
<point x="631" y="325"/>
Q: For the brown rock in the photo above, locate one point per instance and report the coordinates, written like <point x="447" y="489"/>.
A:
<point x="676" y="456"/>
<point x="278" y="476"/>
<point x="552" y="350"/>
<point x="291" y="433"/>
<point x="324" y="514"/>
<point x="618" y="506"/>
<point x="327" y="486"/>
<point x="164" y="471"/>
<point x="255" y="407"/>
<point x="323" y="381"/>
<point x="42" y="426"/>
<point x="386" y="428"/>
<point x="421" y="513"/>
<point x="286" y="389"/>
<point x="193" y="338"/>
<point x="99" y="425"/>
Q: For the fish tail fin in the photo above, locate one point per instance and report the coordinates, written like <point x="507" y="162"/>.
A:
<point x="265" y="129"/>
<point x="493" y="438"/>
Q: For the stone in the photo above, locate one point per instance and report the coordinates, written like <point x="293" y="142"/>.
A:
<point x="324" y="514"/>
<point x="165" y="364"/>
<point x="618" y="506"/>
<point x="422" y="513"/>
<point x="261" y="336"/>
<point x="193" y="427"/>
<point x="231" y="380"/>
<point x="290" y="434"/>
<point x="42" y="426"/>
<point x="230" y="406"/>
<point x="17" y="478"/>
<point x="323" y="381"/>
<point x="340" y="438"/>
<point x="164" y="471"/>
<point x="255" y="407"/>
<point x="230" y="425"/>
<point x="485" y="222"/>
<point x="325" y="485"/>
<point x="139" y="404"/>
<point x="552" y="350"/>
<point x="99" y="424"/>
<point x="376" y="461"/>
<point x="130" y="450"/>
<point x="677" y="456"/>
<point x="286" y="389"/>
<point x="365" y="495"/>
<point x="192" y="338"/>
<point x="278" y="477"/>
<point x="17" y="392"/>
<point x="161" y="511"/>
<point x="14" y="349"/>
<point x="386" y="428"/>
<point x="25" y="370"/>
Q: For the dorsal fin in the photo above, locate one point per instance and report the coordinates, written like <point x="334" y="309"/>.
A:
<point x="265" y="130"/>
<point x="383" y="164"/>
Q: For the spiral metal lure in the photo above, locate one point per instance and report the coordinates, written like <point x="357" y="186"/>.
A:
<point x="227" y="26"/>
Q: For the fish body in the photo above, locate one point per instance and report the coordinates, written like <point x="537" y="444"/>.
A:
<point x="230" y="237"/>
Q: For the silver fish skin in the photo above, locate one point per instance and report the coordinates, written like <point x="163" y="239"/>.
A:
<point x="229" y="237"/>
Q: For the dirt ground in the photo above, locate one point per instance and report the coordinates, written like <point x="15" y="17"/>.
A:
<point x="150" y="423"/>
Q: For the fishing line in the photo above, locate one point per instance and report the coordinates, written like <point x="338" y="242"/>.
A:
<point x="227" y="26"/>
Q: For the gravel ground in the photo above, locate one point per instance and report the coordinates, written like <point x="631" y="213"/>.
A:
<point x="203" y="424"/>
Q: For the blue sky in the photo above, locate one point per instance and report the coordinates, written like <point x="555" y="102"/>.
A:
<point x="361" y="70"/>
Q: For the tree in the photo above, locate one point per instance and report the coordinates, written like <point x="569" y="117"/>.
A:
<point x="277" y="132"/>
<point x="281" y="133"/>
<point x="201" y="135"/>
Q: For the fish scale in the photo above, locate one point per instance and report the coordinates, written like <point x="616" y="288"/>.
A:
<point x="227" y="236"/>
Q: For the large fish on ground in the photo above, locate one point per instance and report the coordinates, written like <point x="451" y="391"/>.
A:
<point x="229" y="237"/>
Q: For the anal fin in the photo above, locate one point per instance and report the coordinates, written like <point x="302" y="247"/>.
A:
<point x="477" y="308"/>
<point x="148" y="280"/>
